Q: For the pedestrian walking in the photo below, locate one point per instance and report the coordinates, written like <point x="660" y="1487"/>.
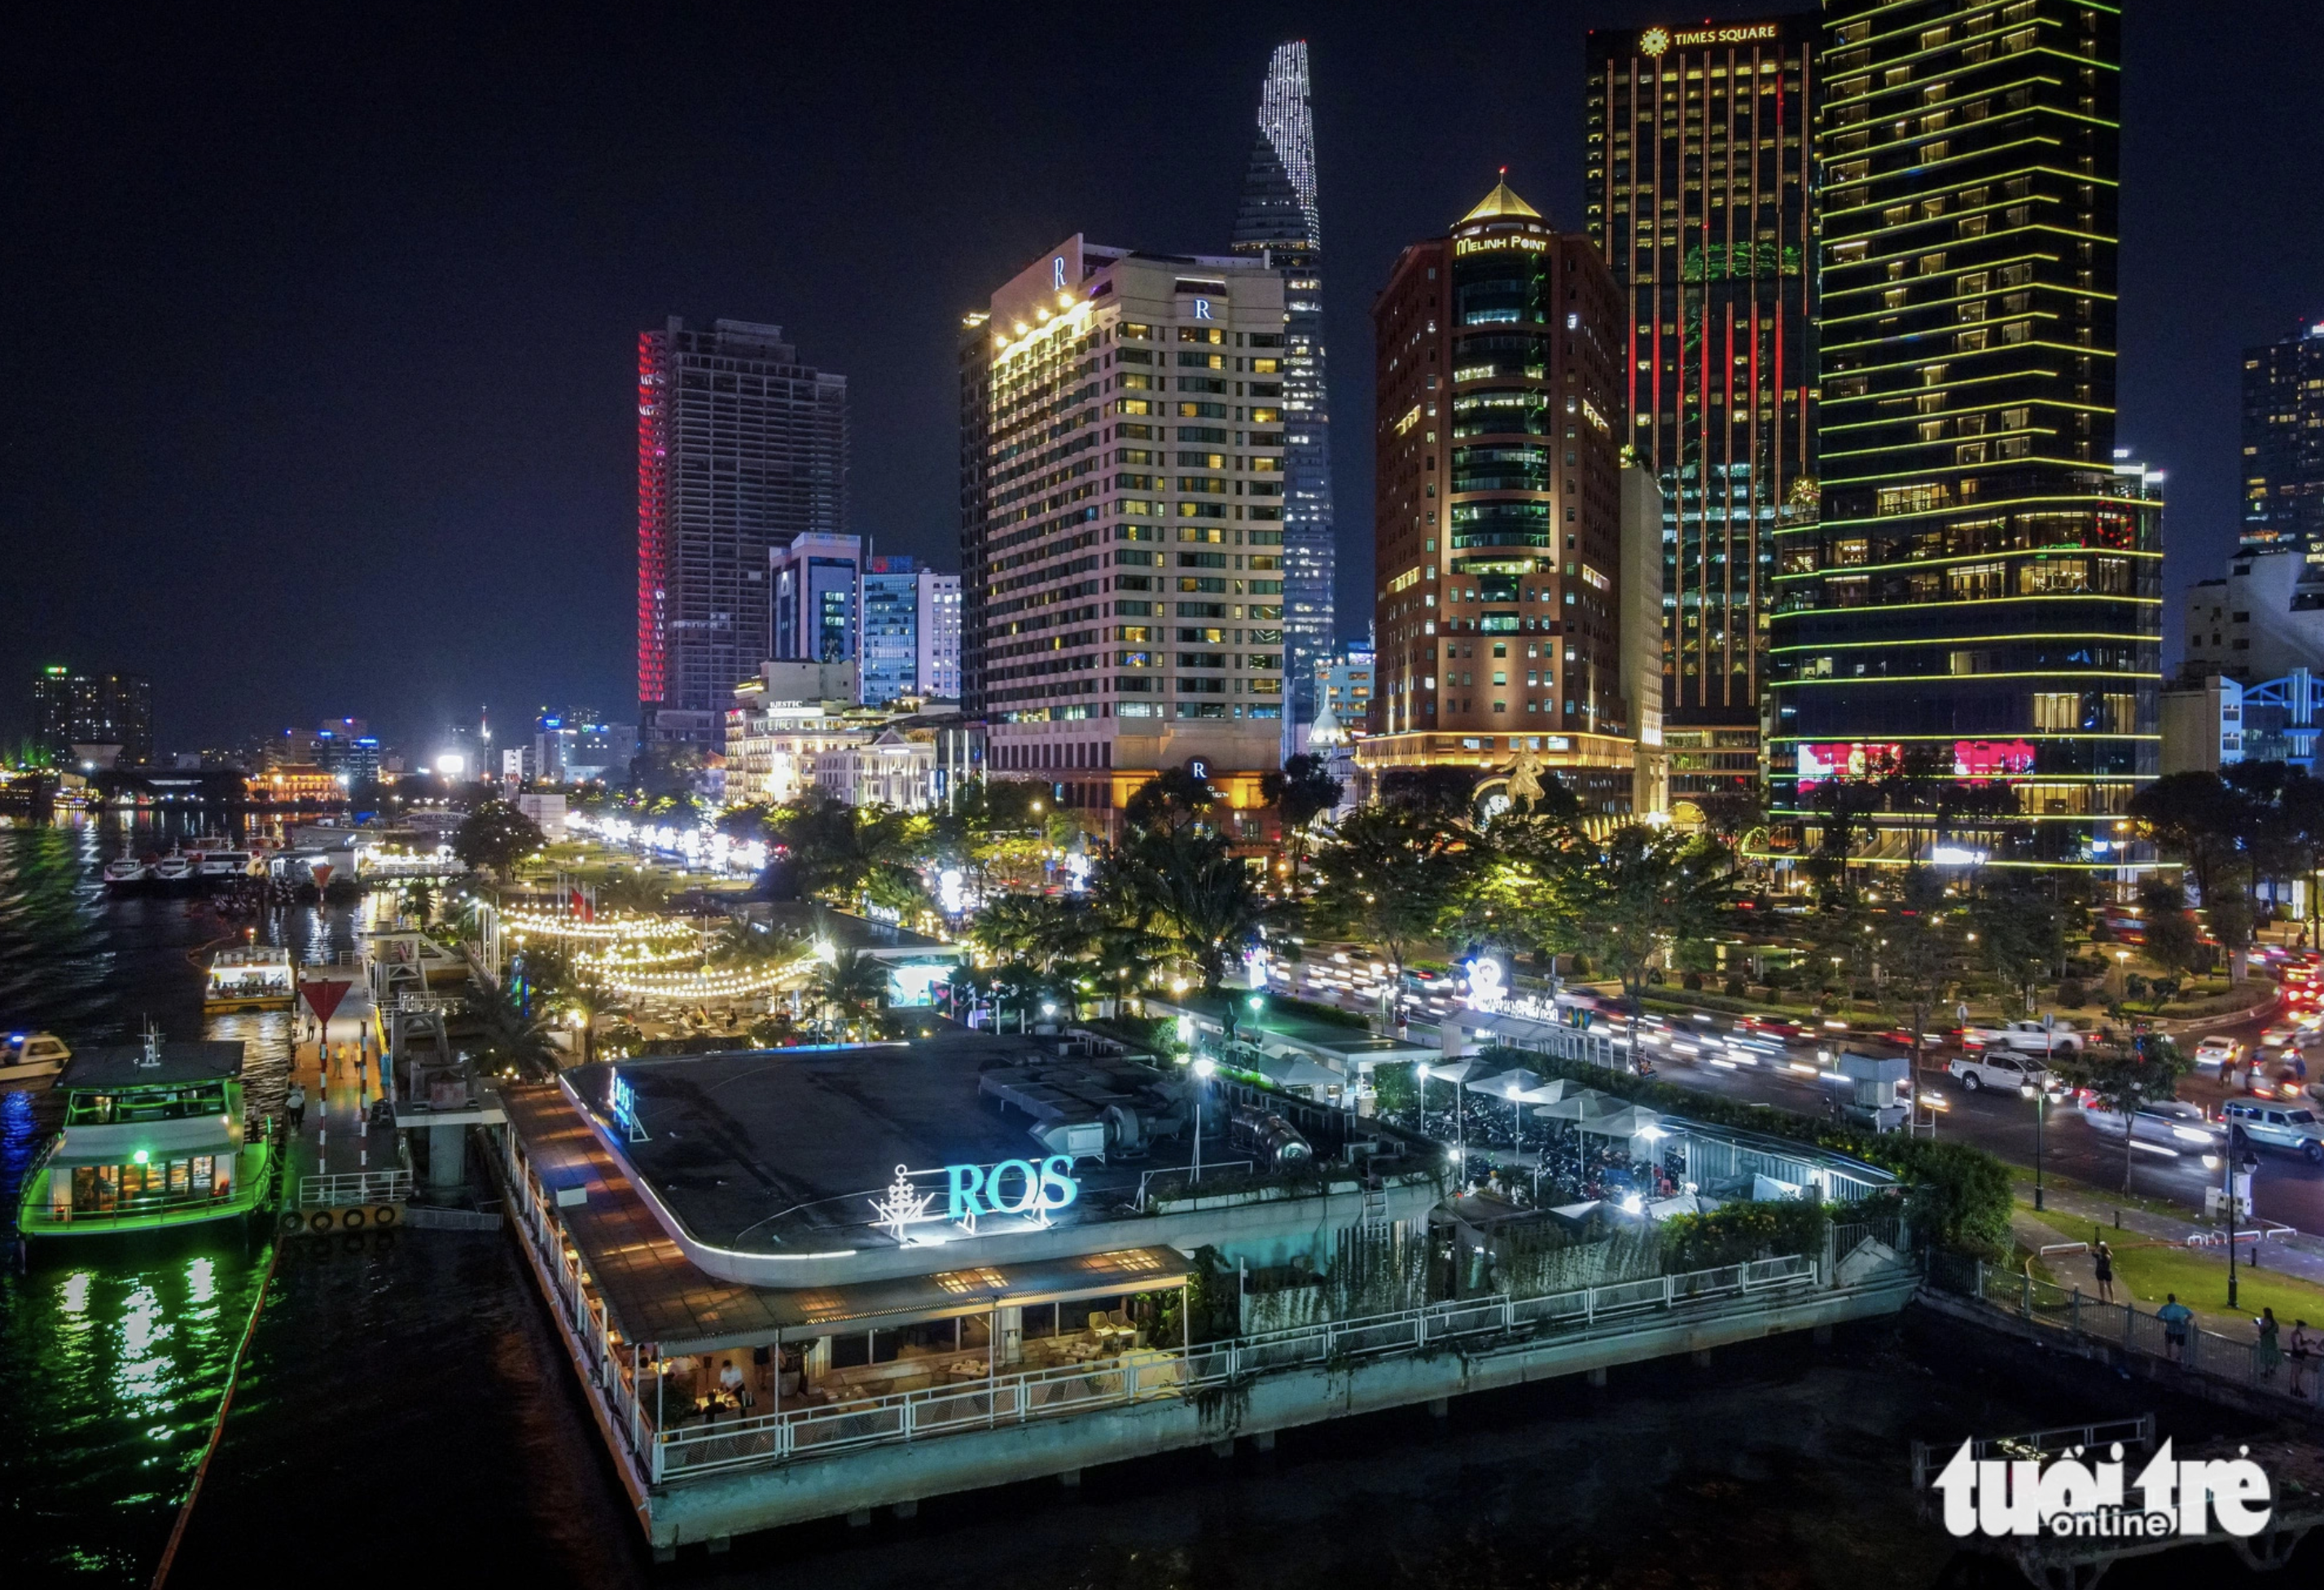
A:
<point x="2271" y="1352"/>
<point x="2305" y="1346"/>
<point x="2102" y="1259"/>
<point x="296" y="1105"/>
<point x="2176" y="1317"/>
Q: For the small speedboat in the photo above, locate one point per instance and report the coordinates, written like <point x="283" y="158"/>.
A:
<point x="223" y="864"/>
<point x="173" y="868"/>
<point x="124" y="869"/>
<point x="31" y="1059"/>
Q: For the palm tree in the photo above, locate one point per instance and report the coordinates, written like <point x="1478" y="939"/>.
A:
<point x="1188" y="886"/>
<point x="853" y="987"/>
<point x="742" y="943"/>
<point x="511" y="1037"/>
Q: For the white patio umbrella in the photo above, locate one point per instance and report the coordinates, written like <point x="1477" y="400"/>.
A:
<point x="1585" y="1104"/>
<point x="1513" y="1086"/>
<point x="1624" y="1123"/>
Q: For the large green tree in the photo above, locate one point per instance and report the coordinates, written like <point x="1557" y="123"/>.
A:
<point x="1303" y="791"/>
<point x="495" y="837"/>
<point x="1625" y="899"/>
<point x="1392" y="875"/>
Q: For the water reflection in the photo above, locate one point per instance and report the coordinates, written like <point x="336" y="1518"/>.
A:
<point x="114" y="1354"/>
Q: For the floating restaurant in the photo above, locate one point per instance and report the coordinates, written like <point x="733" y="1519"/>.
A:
<point x="805" y="1283"/>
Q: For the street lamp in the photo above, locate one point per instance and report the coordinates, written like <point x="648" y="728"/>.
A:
<point x="2247" y="1164"/>
<point x="1420" y="1074"/>
<point x="2041" y="1097"/>
<point x="1203" y="1069"/>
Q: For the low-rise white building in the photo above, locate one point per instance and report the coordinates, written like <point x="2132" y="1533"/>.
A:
<point x="893" y="769"/>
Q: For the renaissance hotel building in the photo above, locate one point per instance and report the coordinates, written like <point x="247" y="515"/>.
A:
<point x="1122" y="497"/>
<point x="1978" y="601"/>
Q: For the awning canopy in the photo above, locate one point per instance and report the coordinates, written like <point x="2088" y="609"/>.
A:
<point x="1291" y="1071"/>
<point x="1512" y="1085"/>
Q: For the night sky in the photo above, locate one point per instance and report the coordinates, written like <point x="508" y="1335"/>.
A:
<point x="319" y="323"/>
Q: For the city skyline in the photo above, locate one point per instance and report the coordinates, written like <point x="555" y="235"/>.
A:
<point x="412" y="415"/>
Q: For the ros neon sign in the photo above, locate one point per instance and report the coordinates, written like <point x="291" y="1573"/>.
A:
<point x="1013" y="1186"/>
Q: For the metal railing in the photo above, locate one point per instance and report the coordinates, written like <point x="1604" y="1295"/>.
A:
<point x="1143" y="1374"/>
<point x="1151" y="1373"/>
<point x="2198" y="1350"/>
<point x="359" y="1187"/>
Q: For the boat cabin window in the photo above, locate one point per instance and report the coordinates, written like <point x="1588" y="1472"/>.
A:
<point x="92" y="1108"/>
<point x="110" y="1190"/>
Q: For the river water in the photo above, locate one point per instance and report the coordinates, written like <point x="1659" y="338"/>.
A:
<point x="405" y="1415"/>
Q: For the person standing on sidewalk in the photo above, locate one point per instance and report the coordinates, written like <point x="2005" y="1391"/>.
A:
<point x="362" y="1059"/>
<point x="2271" y="1352"/>
<point x="295" y="1104"/>
<point x="2102" y="1261"/>
<point x="2176" y="1317"/>
<point x="2303" y="1352"/>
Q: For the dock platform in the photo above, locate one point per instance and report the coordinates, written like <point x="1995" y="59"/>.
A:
<point x="341" y="1172"/>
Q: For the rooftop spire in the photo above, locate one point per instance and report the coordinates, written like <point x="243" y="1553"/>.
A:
<point x="1501" y="203"/>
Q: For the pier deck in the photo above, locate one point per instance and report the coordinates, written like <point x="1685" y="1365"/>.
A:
<point x="335" y="1163"/>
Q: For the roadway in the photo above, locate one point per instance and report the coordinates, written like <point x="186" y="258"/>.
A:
<point x="2284" y="1189"/>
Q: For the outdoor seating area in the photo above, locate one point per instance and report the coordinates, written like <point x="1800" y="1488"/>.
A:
<point x="687" y="1390"/>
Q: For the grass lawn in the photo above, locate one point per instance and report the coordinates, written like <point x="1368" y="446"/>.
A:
<point x="2199" y="1276"/>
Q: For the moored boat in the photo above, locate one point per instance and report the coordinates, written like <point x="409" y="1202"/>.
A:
<point x="154" y="1137"/>
<point x="249" y="977"/>
<point x="126" y="869"/>
<point x="29" y="1059"/>
<point x="173" y="868"/>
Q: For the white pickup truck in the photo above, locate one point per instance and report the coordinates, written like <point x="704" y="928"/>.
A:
<point x="1997" y="1068"/>
<point x="2026" y="1038"/>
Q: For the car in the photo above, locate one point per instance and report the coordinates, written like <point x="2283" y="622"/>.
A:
<point x="2027" y="1038"/>
<point x="2217" y="1053"/>
<point x="2007" y="1072"/>
<point x="2172" y="1124"/>
<point x="2287" y="1082"/>
<point x="1772" y="1026"/>
<point x="2283" y="1037"/>
<point x="2291" y="1127"/>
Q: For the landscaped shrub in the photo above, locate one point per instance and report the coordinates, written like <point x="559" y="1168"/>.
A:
<point x="2073" y="994"/>
<point x="1735" y="988"/>
<point x="1735" y="1233"/>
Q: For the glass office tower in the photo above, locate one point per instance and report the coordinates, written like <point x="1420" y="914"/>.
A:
<point x="1977" y="606"/>
<point x="1278" y="220"/>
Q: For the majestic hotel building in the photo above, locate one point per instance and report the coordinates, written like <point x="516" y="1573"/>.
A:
<point x="1502" y="603"/>
<point x="1700" y="192"/>
<point x="1122" y="514"/>
<point x="1980" y="601"/>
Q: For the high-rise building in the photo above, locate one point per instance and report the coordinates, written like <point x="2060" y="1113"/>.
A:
<point x="1499" y="435"/>
<point x="71" y="708"/>
<point x="1124" y="538"/>
<point x="815" y="584"/>
<point x="1701" y="193"/>
<point x="912" y="633"/>
<point x="1979" y="599"/>
<point x="1278" y="223"/>
<point x="2284" y="442"/>
<point x="740" y="449"/>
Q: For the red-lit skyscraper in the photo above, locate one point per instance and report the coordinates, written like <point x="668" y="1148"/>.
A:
<point x="1700" y="186"/>
<point x="740" y="449"/>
